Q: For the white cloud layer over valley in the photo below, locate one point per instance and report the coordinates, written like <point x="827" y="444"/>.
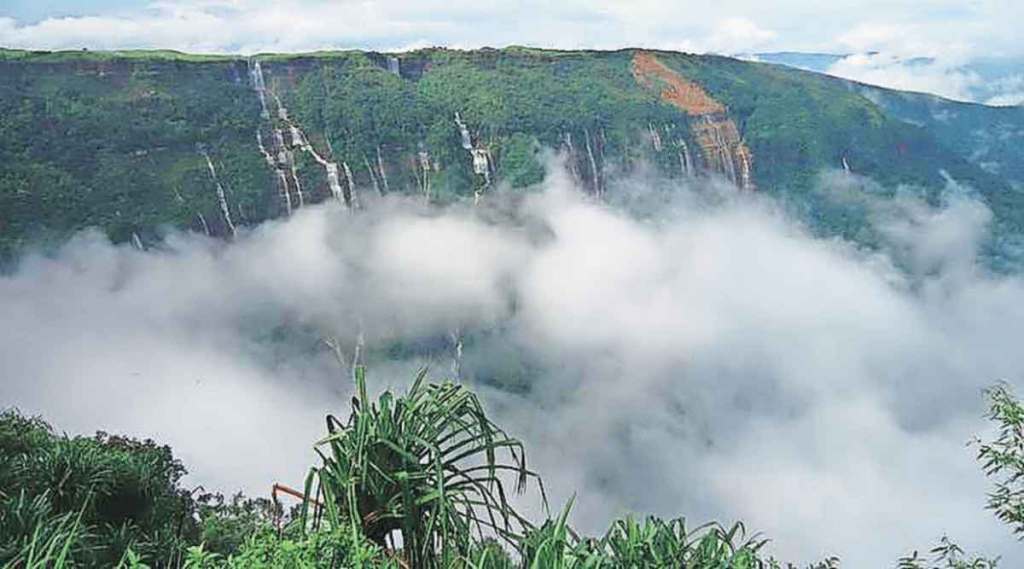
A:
<point x="713" y="359"/>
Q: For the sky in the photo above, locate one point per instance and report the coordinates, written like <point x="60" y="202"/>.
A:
<point x="953" y="33"/>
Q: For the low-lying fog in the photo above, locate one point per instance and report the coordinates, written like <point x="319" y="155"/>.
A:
<point x="702" y="355"/>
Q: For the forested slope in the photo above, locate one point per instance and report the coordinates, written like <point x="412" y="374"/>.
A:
<point x="135" y="141"/>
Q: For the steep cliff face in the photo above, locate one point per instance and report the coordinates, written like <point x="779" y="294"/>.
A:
<point x="135" y="142"/>
<point x="722" y="148"/>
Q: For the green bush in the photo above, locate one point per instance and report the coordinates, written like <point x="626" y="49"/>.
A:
<point x="410" y="480"/>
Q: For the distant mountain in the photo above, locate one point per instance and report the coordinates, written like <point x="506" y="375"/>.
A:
<point x="135" y="141"/>
<point x="819" y="62"/>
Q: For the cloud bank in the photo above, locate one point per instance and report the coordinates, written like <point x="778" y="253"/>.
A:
<point x="984" y="27"/>
<point x="693" y="352"/>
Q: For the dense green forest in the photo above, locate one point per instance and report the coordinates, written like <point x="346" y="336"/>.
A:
<point x="418" y="479"/>
<point x="120" y="140"/>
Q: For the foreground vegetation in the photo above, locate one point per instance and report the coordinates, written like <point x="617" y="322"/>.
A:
<point x="422" y="479"/>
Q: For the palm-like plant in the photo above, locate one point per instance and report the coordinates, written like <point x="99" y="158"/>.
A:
<point x="429" y="466"/>
<point x="660" y="543"/>
<point x="653" y="543"/>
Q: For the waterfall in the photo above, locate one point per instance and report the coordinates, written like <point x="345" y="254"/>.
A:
<point x="480" y="156"/>
<point x="137" y="242"/>
<point x="685" y="161"/>
<point x="481" y="163"/>
<point x="593" y="163"/>
<point x="331" y="168"/>
<point x="395" y="66"/>
<point x="746" y="174"/>
<point x="373" y="176"/>
<point x="424" y="164"/>
<point x="283" y="157"/>
<point x="258" y="85"/>
<point x="334" y="182"/>
<point x="286" y="165"/>
<point x="263" y="150"/>
<point x="295" y="178"/>
<point x="351" y="198"/>
<point x="655" y="137"/>
<point x="846" y="165"/>
<point x="282" y="182"/>
<point x="383" y="176"/>
<point x="202" y="221"/>
<point x="721" y="147"/>
<point x="467" y="143"/>
<point x="719" y="141"/>
<point x="282" y="111"/>
<point x="573" y="170"/>
<point x="724" y="151"/>
<point x="221" y="196"/>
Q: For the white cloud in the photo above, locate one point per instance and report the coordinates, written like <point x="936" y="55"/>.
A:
<point x="738" y="34"/>
<point x="729" y="26"/>
<point x="1010" y="91"/>
<point x="939" y="77"/>
<point x="714" y="361"/>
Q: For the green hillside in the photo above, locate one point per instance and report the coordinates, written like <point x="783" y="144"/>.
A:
<point x="120" y="140"/>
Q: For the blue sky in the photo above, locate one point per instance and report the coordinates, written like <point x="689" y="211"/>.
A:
<point x="30" y="12"/>
<point x="953" y="32"/>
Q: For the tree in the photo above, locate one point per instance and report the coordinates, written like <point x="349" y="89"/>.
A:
<point x="1002" y="459"/>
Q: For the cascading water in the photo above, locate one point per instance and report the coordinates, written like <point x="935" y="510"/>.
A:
<point x="481" y="163"/>
<point x="593" y="163"/>
<point x="716" y="135"/>
<point x="480" y="156"/>
<point x="724" y="151"/>
<point x="423" y="175"/>
<point x="655" y="137"/>
<point x="373" y="176"/>
<point x="467" y="143"/>
<point x="380" y="169"/>
<point x="333" y="179"/>
<point x="746" y="181"/>
<point x="285" y="164"/>
<point x="281" y="159"/>
<point x="350" y="196"/>
<point x="282" y="181"/>
<point x="222" y="198"/>
<point x="258" y="84"/>
<point x="334" y="182"/>
<point x="685" y="161"/>
<point x="571" y="158"/>
<point x="202" y="221"/>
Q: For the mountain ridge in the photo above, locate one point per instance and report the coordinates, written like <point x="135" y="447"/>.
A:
<point x="132" y="141"/>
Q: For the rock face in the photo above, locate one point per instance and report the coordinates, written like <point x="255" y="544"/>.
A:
<point x="722" y="148"/>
